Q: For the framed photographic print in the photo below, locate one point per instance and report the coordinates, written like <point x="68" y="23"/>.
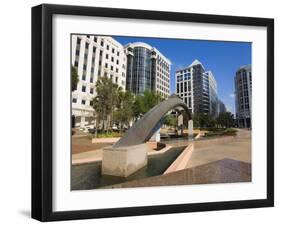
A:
<point x="145" y="112"/>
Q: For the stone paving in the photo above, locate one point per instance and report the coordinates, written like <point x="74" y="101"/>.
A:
<point x="221" y="171"/>
<point x="238" y="148"/>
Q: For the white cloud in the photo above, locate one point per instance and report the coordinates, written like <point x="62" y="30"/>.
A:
<point x="232" y="95"/>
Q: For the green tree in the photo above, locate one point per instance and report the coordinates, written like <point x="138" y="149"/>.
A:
<point x="170" y="120"/>
<point x="137" y="106"/>
<point x="74" y="78"/>
<point x="143" y="103"/>
<point x="225" y="119"/>
<point x="124" y="112"/>
<point x="203" y="120"/>
<point x="106" y="100"/>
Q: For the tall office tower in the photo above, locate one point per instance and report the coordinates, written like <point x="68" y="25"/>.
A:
<point x="147" y="69"/>
<point x="213" y="95"/>
<point x="94" y="57"/>
<point x="221" y="107"/>
<point x="197" y="88"/>
<point x="243" y="94"/>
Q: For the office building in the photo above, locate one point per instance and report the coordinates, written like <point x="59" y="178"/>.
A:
<point x="94" y="57"/>
<point x="147" y="69"/>
<point x="221" y="107"/>
<point x="243" y="96"/>
<point x="197" y="88"/>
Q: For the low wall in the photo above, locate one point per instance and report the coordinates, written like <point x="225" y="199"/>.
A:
<point x="105" y="140"/>
<point x="181" y="162"/>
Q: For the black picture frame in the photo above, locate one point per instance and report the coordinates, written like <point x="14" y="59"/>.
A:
<point x="42" y="107"/>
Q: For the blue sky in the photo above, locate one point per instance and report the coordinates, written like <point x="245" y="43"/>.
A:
<point x="222" y="58"/>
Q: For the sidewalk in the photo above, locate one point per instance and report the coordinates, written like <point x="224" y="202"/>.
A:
<point x="238" y="148"/>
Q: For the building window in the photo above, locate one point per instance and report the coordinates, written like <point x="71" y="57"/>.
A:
<point x="107" y="47"/>
<point x="76" y="63"/>
<point x="117" y="61"/>
<point x="74" y="100"/>
<point x="106" y="56"/>
<point x="78" y="41"/>
<point x="83" y="76"/>
<point x="112" y="59"/>
<point x="111" y="68"/>
<point x="116" y="70"/>
<point x="106" y="65"/>
<point x="189" y="86"/>
<point x="101" y="43"/>
<point x="92" y="90"/>
<point x="117" y="53"/>
<point x="116" y="79"/>
<point x="91" y="80"/>
<point x="83" y="88"/>
<point x="83" y="102"/>
<point x="95" y="39"/>
<point x="84" y="67"/>
<point x="87" y="45"/>
<point x="113" y="50"/>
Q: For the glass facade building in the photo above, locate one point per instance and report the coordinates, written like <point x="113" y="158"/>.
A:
<point x="147" y="69"/>
<point x="243" y="95"/>
<point x="197" y="88"/>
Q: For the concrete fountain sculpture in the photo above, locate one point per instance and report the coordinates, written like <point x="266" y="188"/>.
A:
<point x="129" y="154"/>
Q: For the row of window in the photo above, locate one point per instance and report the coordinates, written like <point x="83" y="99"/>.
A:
<point x="184" y="71"/>
<point x="183" y="87"/>
<point x="162" y="76"/>
<point x="165" y="72"/>
<point x="163" y="63"/>
<point x="83" y="101"/>
<point x="112" y="59"/>
<point x="163" y="88"/>
<point x="183" y="77"/>
<point x="83" y="89"/>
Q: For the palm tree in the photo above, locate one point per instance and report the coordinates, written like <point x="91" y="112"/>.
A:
<point x="124" y="112"/>
<point x="105" y="101"/>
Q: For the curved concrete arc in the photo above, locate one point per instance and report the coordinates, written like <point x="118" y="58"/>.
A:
<point x="144" y="128"/>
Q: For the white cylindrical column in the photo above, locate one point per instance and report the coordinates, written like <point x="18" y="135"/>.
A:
<point x="190" y="129"/>
<point x="180" y="125"/>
